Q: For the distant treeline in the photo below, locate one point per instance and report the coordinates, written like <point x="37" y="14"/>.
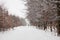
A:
<point x="9" y="21"/>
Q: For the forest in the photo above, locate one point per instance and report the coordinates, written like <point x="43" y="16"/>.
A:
<point x="8" y="21"/>
<point x="44" y="14"/>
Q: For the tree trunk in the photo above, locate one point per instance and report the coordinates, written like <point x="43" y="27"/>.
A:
<point x="58" y="15"/>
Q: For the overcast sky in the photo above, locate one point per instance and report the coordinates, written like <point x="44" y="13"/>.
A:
<point x="15" y="7"/>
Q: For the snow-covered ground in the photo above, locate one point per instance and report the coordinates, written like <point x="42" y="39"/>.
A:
<point x="27" y="33"/>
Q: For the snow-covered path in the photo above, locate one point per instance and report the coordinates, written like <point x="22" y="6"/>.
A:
<point x="27" y="33"/>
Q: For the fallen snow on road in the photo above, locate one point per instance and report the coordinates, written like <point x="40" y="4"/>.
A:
<point x="27" y="33"/>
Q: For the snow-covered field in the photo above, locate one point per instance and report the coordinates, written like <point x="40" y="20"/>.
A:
<point x="27" y="33"/>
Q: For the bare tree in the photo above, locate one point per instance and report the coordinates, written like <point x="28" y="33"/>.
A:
<point x="58" y="16"/>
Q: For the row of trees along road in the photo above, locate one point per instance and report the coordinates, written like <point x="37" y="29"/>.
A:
<point x="44" y="14"/>
<point x="9" y="21"/>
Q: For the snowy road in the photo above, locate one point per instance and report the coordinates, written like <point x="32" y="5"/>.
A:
<point x="27" y="33"/>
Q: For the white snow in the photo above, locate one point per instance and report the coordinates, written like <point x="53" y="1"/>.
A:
<point x="27" y="33"/>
